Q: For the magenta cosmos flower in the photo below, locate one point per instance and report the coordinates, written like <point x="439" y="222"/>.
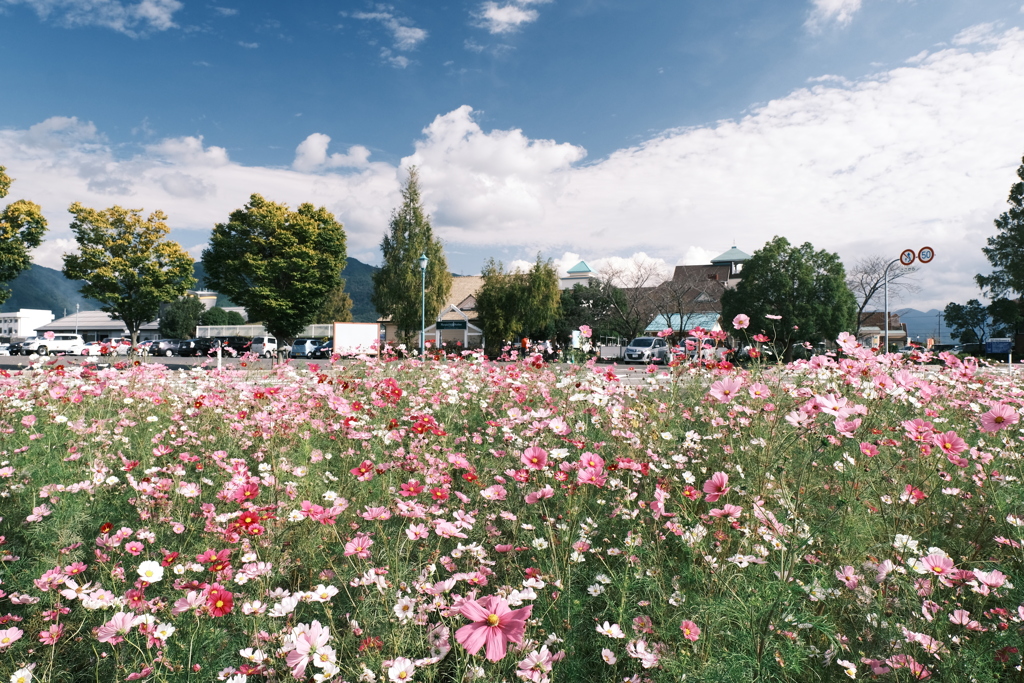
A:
<point x="494" y="624"/>
<point x="716" y="487"/>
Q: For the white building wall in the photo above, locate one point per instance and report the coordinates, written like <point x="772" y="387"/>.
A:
<point x="23" y="323"/>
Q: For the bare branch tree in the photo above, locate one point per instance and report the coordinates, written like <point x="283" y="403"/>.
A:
<point x="690" y="294"/>
<point x="637" y="279"/>
<point x="867" y="281"/>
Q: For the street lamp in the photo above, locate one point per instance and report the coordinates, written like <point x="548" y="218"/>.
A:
<point x="423" y="304"/>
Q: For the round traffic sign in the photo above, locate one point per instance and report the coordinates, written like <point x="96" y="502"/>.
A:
<point x="925" y="255"/>
<point x="907" y="257"/>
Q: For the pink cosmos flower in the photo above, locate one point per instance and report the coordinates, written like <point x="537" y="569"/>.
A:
<point x="113" y="631"/>
<point x="585" y="331"/>
<point x="848" y="575"/>
<point x="592" y="460"/>
<point x="592" y="475"/>
<point x="51" y="635"/>
<point x="939" y="565"/>
<point x="134" y="547"/>
<point x="690" y="630"/>
<point x="359" y="546"/>
<point x="716" y="487"/>
<point x="868" y="449"/>
<point x="759" y="390"/>
<point x="306" y="645"/>
<point x="9" y="635"/>
<point x="730" y="511"/>
<point x="724" y="390"/>
<point x="535" y="496"/>
<point x="494" y="625"/>
<point x="417" y="532"/>
<point x="535" y="458"/>
<point x="1000" y="416"/>
<point x="950" y="443"/>
<point x="740" y="322"/>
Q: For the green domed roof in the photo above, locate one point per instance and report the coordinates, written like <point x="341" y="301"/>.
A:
<point x="731" y="256"/>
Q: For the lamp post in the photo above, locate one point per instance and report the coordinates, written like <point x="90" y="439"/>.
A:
<point x="76" y="318"/>
<point x="423" y="304"/>
<point x="885" y="277"/>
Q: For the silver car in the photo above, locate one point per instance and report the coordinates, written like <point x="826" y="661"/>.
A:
<point x="647" y="350"/>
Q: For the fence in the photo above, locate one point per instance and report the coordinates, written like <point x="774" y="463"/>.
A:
<point x="314" y="331"/>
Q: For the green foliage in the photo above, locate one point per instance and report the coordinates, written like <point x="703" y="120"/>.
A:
<point x="974" y="322"/>
<point x="218" y="316"/>
<point x="281" y="265"/>
<point x="21" y="229"/>
<point x="179" y="318"/>
<point x="1005" y="250"/>
<point x="516" y="303"/>
<point x="591" y="304"/>
<point x="806" y="287"/>
<point x="127" y="263"/>
<point x="396" y="286"/>
<point x="337" y="308"/>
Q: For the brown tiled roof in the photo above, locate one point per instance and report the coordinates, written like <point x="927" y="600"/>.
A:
<point x="463" y="291"/>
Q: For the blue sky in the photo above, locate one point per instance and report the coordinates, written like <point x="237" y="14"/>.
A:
<point x="594" y="129"/>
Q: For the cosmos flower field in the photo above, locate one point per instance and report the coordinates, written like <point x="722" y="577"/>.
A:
<point x="852" y="516"/>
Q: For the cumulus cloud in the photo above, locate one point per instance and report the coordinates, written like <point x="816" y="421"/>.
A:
<point x="507" y="17"/>
<point x="837" y="12"/>
<point x="132" y="19"/>
<point x="918" y="155"/>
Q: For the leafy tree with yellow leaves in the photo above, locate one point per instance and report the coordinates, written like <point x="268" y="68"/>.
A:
<point x="21" y="229"/>
<point x="127" y="263"/>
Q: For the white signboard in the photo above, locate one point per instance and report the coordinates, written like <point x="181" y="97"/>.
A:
<point x="356" y="338"/>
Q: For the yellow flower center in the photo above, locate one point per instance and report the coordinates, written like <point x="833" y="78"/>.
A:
<point x="492" y="619"/>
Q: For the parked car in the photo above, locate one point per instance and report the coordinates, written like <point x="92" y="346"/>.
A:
<point x="267" y="346"/>
<point x="325" y="350"/>
<point x="4" y="350"/>
<point x="14" y="348"/>
<point x="647" y="350"/>
<point x="238" y="345"/>
<point x="201" y="346"/>
<point x="120" y="345"/>
<point x="94" y="348"/>
<point x="163" y="347"/>
<point x="60" y="343"/>
<point x="303" y="348"/>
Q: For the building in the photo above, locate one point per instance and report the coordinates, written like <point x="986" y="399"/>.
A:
<point x="693" y="297"/>
<point x="457" y="321"/>
<point x="579" y="274"/>
<point x="23" y="323"/>
<point x="872" y="330"/>
<point x="97" y="326"/>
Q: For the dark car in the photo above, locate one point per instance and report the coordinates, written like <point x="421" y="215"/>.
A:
<point x="202" y="346"/>
<point x="325" y="350"/>
<point x="163" y="347"/>
<point x="238" y="345"/>
<point x="15" y="347"/>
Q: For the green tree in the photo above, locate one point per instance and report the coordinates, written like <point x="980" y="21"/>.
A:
<point x="1006" y="316"/>
<point x="337" y="308"/>
<point x="968" y="322"/>
<point x="218" y="316"/>
<point x="1005" y="250"/>
<point x="127" y="263"/>
<point x="281" y="265"/>
<point x="594" y="304"/>
<point x="517" y="303"/>
<point x="807" y="288"/>
<point x="180" y="317"/>
<point x="396" y="286"/>
<point x="21" y="229"/>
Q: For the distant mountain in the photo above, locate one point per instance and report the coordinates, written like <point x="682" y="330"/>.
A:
<point x="46" y="288"/>
<point x="924" y="325"/>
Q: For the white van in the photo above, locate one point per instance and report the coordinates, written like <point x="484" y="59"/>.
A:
<point x="266" y="346"/>
<point x="61" y="343"/>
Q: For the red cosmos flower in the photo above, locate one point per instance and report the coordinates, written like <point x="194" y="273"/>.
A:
<point x="691" y="493"/>
<point x="439" y="494"/>
<point x="411" y="489"/>
<point x="219" y="600"/>
<point x="169" y="559"/>
<point x="363" y="471"/>
<point x="106" y="528"/>
<point x="470" y="476"/>
<point x="247" y="491"/>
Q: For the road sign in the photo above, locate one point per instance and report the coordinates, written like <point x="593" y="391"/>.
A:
<point x="907" y="257"/>
<point x="925" y="255"/>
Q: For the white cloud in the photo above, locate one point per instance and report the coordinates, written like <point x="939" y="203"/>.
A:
<point x="839" y="12"/>
<point x="404" y="35"/>
<point x="922" y="154"/>
<point x="696" y="256"/>
<point x="248" y="46"/>
<point x="132" y="19"/>
<point x="508" y="17"/>
<point x="225" y="11"/>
